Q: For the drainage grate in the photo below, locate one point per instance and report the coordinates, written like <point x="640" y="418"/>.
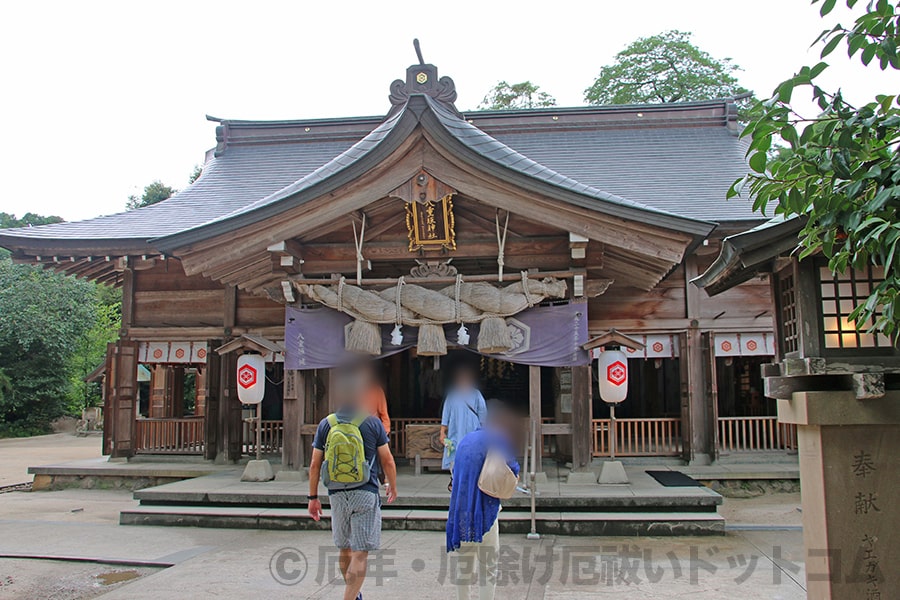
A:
<point x="16" y="487"/>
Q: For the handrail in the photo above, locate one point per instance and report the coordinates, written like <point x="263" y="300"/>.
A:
<point x="183" y="435"/>
<point x="638" y="437"/>
<point x="756" y="434"/>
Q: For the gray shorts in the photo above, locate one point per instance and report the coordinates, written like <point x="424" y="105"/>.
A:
<point x="356" y="519"/>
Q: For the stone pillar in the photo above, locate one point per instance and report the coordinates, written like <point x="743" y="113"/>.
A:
<point x="849" y="453"/>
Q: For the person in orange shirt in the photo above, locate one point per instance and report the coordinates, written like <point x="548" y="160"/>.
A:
<point x="374" y="400"/>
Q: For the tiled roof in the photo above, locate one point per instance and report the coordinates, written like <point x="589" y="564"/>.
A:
<point x="674" y="158"/>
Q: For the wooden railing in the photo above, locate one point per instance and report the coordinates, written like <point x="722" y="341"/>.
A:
<point x="271" y="439"/>
<point x="397" y="436"/>
<point x="639" y="437"/>
<point x="169" y="436"/>
<point x="755" y="434"/>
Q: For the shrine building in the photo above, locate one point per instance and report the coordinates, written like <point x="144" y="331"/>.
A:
<point x="426" y="238"/>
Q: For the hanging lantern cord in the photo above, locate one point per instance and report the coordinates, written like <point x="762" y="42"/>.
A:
<point x="501" y="243"/>
<point x="358" y="242"/>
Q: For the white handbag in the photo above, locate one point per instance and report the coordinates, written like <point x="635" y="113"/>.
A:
<point x="496" y="478"/>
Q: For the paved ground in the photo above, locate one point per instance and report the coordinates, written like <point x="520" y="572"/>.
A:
<point x="154" y="562"/>
<point x="17" y="454"/>
<point x="226" y="564"/>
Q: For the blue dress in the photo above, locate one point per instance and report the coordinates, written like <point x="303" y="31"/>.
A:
<point x="472" y="512"/>
<point x="464" y="412"/>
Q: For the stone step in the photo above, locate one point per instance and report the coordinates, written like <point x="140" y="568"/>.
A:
<point x="690" y="500"/>
<point x="416" y="519"/>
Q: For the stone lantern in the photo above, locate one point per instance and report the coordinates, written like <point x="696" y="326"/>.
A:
<point x="840" y="384"/>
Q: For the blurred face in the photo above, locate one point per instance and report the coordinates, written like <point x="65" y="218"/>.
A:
<point x="464" y="380"/>
<point x="504" y="420"/>
<point x="348" y="385"/>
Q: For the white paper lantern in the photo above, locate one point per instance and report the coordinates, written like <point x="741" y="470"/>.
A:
<point x="251" y="378"/>
<point x="613" y="374"/>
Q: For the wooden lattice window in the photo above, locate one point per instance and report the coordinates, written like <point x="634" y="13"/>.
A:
<point x="787" y="300"/>
<point x="840" y="295"/>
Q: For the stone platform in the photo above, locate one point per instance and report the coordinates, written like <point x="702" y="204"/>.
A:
<point x="643" y="507"/>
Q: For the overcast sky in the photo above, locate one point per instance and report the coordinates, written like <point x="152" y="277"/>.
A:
<point x="100" y="98"/>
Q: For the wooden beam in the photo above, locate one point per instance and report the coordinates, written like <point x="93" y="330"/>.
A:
<point x="469" y="248"/>
<point x="230" y="313"/>
<point x="511" y="278"/>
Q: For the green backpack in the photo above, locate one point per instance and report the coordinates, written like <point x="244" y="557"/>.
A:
<point x="345" y="465"/>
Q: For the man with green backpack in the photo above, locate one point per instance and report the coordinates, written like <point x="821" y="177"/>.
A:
<point x="350" y="449"/>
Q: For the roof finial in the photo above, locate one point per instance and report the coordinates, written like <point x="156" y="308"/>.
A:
<point x="418" y="51"/>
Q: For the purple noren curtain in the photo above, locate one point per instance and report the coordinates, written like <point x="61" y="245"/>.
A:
<point x="547" y="336"/>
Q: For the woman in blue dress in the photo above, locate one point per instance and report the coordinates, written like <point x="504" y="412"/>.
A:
<point x="464" y="412"/>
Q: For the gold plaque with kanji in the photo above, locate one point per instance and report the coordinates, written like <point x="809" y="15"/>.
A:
<point x="431" y="224"/>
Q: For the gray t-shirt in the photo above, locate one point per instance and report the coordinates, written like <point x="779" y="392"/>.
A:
<point x="373" y="435"/>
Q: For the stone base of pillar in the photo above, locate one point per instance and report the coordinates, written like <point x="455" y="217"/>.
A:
<point x="258" y="470"/>
<point x="612" y="473"/>
<point x="700" y="460"/>
<point x="288" y="475"/>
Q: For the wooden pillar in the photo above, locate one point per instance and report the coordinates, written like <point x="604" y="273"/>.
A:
<point x="329" y="391"/>
<point x="159" y="390"/>
<point x="293" y="450"/>
<point x="213" y="401"/>
<point x="176" y="392"/>
<point x="695" y="430"/>
<point x="127" y="301"/>
<point x="230" y="426"/>
<point x="581" y="418"/>
<point x="121" y="396"/>
<point x="200" y="392"/>
<point x="534" y="410"/>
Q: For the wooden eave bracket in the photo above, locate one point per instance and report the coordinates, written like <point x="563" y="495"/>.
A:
<point x="613" y="337"/>
<point x="253" y="343"/>
<point x="287" y="255"/>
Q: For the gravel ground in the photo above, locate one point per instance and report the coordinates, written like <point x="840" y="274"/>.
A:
<point x="771" y="509"/>
<point x="58" y="580"/>
<point x="17" y="454"/>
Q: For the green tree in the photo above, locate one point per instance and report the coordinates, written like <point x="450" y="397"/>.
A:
<point x="664" y="68"/>
<point x="90" y="350"/>
<point x="516" y="95"/>
<point x="195" y="174"/>
<point x="154" y="193"/>
<point x="841" y="168"/>
<point x="43" y="315"/>
<point x="8" y="220"/>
